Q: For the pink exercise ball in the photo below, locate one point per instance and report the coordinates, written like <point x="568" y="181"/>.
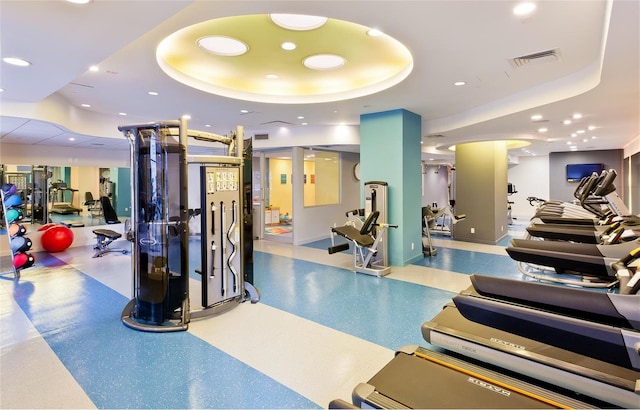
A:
<point x="56" y="238"/>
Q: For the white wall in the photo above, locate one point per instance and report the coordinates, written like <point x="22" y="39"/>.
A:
<point x="531" y="178"/>
<point x="435" y="185"/>
<point x="318" y="220"/>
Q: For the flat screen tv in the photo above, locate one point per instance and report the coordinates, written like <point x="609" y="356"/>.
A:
<point x="575" y="172"/>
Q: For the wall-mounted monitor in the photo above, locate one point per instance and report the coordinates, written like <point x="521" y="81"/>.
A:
<point x="575" y="172"/>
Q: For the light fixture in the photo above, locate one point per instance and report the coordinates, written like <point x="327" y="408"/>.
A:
<point x="79" y="1"/>
<point x="244" y="111"/>
<point x="298" y="22"/>
<point x="577" y="116"/>
<point x="124" y="114"/>
<point x="353" y="64"/>
<point x="374" y="32"/>
<point x="85" y="105"/>
<point x="186" y="116"/>
<point x="94" y="68"/>
<point x="271" y="76"/>
<point x="223" y="46"/>
<point x="300" y="117"/>
<point x="536" y="117"/>
<point x="524" y="9"/>
<point x="543" y="129"/>
<point x="322" y="62"/>
<point x="580" y="132"/>
<point x="16" y="61"/>
<point x="460" y="83"/>
<point x="154" y="93"/>
<point x="71" y="139"/>
<point x="591" y="127"/>
<point x="566" y="122"/>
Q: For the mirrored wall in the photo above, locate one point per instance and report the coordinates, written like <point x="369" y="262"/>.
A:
<point x="82" y="195"/>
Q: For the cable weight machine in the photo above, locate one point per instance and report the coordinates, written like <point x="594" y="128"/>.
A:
<point x="160" y="231"/>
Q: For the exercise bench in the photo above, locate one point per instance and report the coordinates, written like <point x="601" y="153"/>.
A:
<point x="104" y="238"/>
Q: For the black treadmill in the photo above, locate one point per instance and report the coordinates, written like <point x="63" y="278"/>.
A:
<point x="420" y="378"/>
<point x="581" y="340"/>
<point x="589" y="259"/>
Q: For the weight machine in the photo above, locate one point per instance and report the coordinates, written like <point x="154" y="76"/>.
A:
<point x="369" y="239"/>
<point x="159" y="227"/>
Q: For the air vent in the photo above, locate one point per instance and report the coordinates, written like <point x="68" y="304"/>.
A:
<point x="277" y="122"/>
<point x="435" y="136"/>
<point x="547" y="56"/>
<point x="261" y="136"/>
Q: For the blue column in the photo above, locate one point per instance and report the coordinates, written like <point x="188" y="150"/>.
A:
<point x="390" y="151"/>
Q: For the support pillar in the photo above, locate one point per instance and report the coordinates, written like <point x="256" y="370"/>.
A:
<point x="481" y="191"/>
<point x="390" y="151"/>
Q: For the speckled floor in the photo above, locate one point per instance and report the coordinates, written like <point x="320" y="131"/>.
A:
<point x="318" y="330"/>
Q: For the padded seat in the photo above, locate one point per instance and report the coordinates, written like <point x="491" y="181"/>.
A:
<point x="104" y="237"/>
<point x="354" y="234"/>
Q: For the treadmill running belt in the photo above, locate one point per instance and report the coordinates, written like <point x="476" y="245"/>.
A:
<point x="428" y="379"/>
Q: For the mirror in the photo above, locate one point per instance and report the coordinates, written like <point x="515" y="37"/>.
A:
<point x="71" y="193"/>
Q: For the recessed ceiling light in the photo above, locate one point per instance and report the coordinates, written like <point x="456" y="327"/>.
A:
<point x="207" y="125"/>
<point x="580" y="131"/>
<point x="244" y="111"/>
<point x="223" y="46"/>
<point x="85" y="105"/>
<point x="304" y="123"/>
<point x="298" y="22"/>
<point x="1" y="90"/>
<point x="524" y="9"/>
<point x="186" y="116"/>
<point x="324" y="62"/>
<point x="288" y="45"/>
<point x="460" y="83"/>
<point x="536" y="117"/>
<point x="16" y="61"/>
<point x="569" y="142"/>
<point x="94" y="68"/>
<point x="594" y="137"/>
<point x="124" y="114"/>
<point x="542" y="129"/>
<point x="271" y="76"/>
<point x="577" y="116"/>
<point x="566" y="122"/>
<point x="374" y="32"/>
<point x="300" y="117"/>
<point x="591" y="127"/>
<point x="79" y="1"/>
<point x="153" y="93"/>
<point x="71" y="139"/>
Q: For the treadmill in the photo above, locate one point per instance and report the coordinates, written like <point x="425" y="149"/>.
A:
<point x="582" y="258"/>
<point x="587" y="344"/>
<point x="420" y="378"/>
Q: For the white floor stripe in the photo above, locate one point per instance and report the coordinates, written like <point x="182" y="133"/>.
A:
<point x="318" y="362"/>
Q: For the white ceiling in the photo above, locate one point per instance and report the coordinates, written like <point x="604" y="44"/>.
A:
<point x="597" y="73"/>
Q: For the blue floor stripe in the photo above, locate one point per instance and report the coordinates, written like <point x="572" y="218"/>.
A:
<point x="122" y="368"/>
<point x="461" y="261"/>
<point x="386" y="312"/>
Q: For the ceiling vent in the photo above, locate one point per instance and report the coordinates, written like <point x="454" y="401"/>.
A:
<point x="276" y="122"/>
<point x="261" y="136"/>
<point x="435" y="136"/>
<point x="547" y="56"/>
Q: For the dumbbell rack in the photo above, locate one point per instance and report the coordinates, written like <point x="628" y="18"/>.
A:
<point x="14" y="270"/>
